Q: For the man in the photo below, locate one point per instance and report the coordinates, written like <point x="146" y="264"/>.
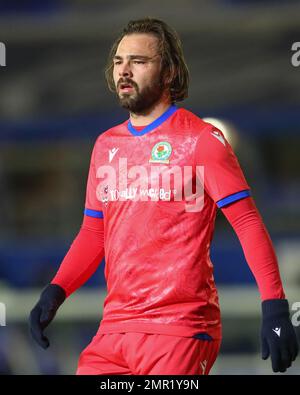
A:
<point x="161" y="313"/>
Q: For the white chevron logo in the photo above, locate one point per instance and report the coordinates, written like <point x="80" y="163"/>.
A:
<point x="218" y="136"/>
<point x="112" y="153"/>
<point x="277" y="331"/>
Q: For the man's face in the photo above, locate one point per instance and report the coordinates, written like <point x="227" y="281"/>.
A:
<point x="137" y="72"/>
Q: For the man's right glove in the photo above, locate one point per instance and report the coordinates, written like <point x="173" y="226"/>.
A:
<point x="278" y="336"/>
<point x="44" y="312"/>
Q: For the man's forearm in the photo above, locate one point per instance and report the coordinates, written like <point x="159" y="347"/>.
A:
<point x="83" y="257"/>
<point x="257" y="247"/>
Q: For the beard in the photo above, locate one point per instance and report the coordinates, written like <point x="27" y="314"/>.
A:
<point x="141" y="101"/>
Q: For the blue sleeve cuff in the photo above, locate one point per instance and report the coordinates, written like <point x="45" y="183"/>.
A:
<point x="233" y="198"/>
<point x="93" y="213"/>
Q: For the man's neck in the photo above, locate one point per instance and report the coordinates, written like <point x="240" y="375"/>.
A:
<point x="155" y="112"/>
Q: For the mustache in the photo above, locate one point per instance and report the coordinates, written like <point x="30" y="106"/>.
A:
<point x="127" y="81"/>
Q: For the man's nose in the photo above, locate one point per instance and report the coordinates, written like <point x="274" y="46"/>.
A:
<point x="125" y="70"/>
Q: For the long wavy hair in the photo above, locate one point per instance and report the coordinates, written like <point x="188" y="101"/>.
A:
<point x="175" y="73"/>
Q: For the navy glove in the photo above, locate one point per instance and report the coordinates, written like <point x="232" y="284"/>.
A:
<point x="278" y="336"/>
<point x="44" y="312"/>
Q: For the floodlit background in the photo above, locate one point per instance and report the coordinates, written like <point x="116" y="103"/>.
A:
<point x="53" y="104"/>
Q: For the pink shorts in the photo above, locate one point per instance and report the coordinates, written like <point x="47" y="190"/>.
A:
<point x="147" y="354"/>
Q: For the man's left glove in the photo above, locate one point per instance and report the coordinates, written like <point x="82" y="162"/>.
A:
<point x="44" y="312"/>
<point x="278" y="336"/>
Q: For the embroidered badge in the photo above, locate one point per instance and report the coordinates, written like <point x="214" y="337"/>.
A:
<point x="161" y="152"/>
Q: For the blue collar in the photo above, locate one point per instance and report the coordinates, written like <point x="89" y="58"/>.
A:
<point x="153" y="124"/>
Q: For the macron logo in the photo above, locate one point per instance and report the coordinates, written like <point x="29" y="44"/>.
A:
<point x="112" y="153"/>
<point x="277" y="331"/>
<point x="218" y="136"/>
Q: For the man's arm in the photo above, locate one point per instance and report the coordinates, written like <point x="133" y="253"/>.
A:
<point x="81" y="261"/>
<point x="257" y="246"/>
<point x="83" y="257"/>
<point x="225" y="183"/>
<point x="278" y="337"/>
<point x="79" y="264"/>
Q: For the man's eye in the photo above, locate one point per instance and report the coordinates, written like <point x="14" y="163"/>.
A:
<point x="117" y="62"/>
<point x="139" y="62"/>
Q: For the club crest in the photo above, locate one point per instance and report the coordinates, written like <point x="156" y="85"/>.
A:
<point x="161" y="152"/>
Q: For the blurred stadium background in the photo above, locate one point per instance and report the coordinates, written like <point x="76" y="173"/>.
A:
<point x="54" y="103"/>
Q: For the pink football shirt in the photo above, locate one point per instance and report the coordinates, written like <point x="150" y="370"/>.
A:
<point x="157" y="191"/>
